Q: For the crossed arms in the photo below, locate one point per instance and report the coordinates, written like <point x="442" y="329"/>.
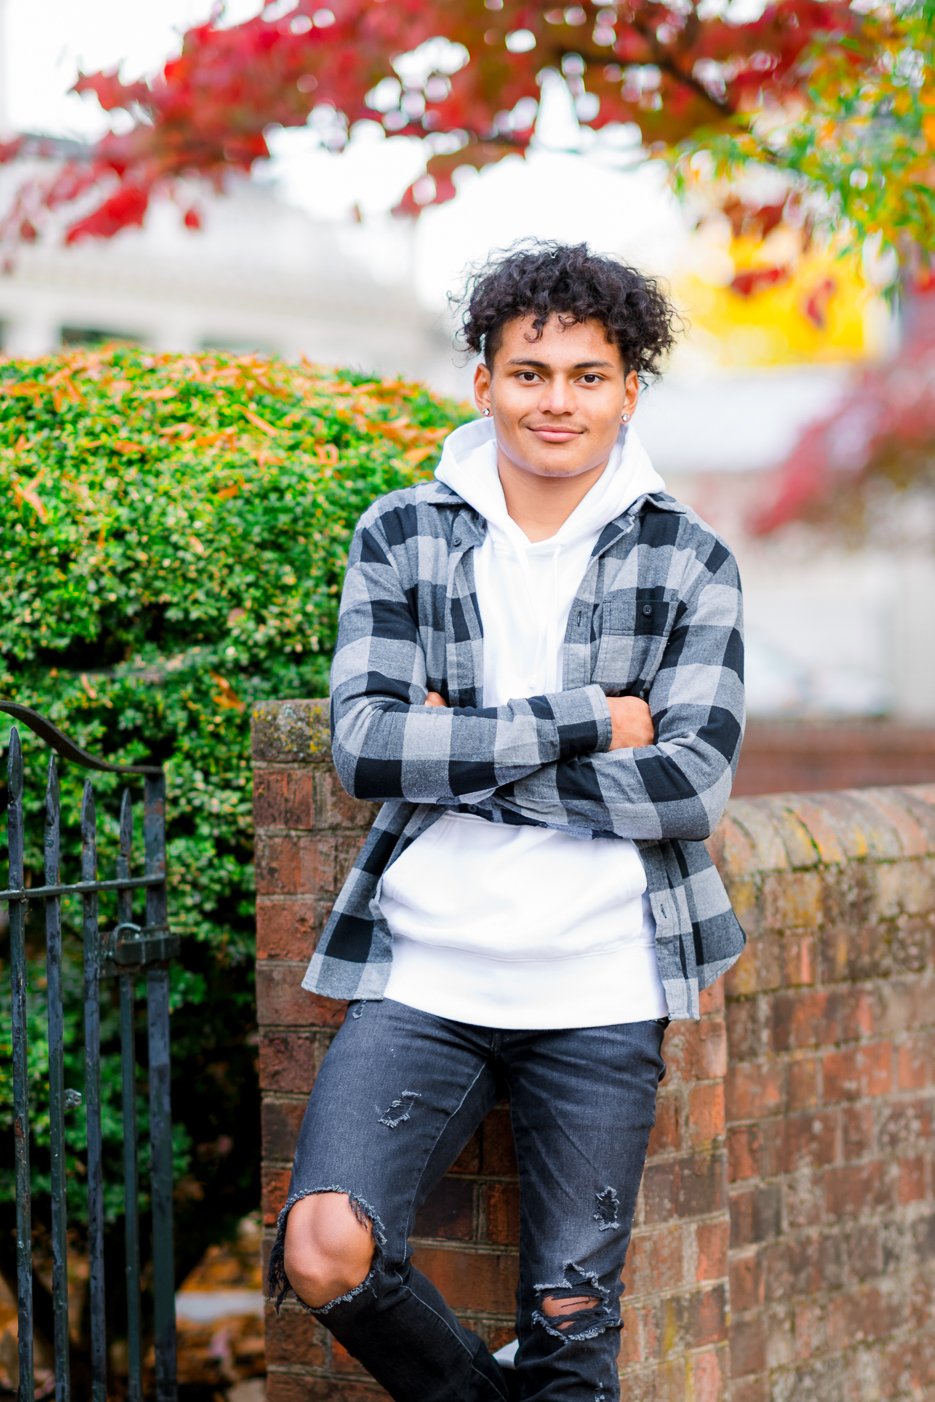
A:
<point x="570" y="759"/>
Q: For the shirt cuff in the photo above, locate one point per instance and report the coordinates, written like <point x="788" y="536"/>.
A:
<point x="582" y="719"/>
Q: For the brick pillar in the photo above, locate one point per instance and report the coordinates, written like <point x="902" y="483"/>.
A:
<point x="307" y="832"/>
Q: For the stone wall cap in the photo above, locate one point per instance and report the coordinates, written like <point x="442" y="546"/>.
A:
<point x="882" y="824"/>
<point x="291" y="732"/>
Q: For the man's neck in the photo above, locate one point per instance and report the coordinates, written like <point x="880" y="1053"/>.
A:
<point x="540" y="506"/>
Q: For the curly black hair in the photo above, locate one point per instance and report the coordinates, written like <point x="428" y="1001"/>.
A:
<point x="545" y="278"/>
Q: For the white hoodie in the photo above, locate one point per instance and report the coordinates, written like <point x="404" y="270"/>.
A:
<point x="525" y="927"/>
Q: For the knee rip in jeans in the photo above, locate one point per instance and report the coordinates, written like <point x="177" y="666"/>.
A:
<point x="278" y="1282"/>
<point x="576" y="1307"/>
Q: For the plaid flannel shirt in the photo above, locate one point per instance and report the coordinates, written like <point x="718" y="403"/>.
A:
<point x="657" y="615"/>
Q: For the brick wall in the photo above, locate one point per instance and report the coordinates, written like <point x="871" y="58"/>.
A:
<point x="784" y="1239"/>
<point x="792" y="756"/>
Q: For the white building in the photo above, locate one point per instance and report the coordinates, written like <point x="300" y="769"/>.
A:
<point x="260" y="275"/>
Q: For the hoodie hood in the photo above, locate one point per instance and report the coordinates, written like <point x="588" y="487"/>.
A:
<point x="469" y="467"/>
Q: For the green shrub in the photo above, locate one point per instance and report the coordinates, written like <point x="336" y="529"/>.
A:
<point x="171" y="551"/>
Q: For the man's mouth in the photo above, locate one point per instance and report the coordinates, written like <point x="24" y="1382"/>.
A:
<point x="555" y="433"/>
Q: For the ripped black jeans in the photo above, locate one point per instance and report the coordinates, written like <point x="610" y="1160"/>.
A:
<point x="399" y="1094"/>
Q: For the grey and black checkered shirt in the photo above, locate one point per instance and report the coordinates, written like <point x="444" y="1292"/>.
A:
<point x="657" y="615"/>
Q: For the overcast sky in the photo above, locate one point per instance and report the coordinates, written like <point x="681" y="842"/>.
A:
<point x="46" y="44"/>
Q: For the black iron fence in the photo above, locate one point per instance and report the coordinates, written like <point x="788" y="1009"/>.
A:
<point x="114" y="963"/>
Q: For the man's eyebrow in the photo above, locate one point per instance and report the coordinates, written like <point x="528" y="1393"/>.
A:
<point x="581" y="365"/>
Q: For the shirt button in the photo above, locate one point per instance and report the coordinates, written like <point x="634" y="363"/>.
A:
<point x="457" y="540"/>
<point x="647" y="610"/>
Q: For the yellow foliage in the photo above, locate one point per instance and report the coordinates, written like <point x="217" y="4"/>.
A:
<point x="823" y="310"/>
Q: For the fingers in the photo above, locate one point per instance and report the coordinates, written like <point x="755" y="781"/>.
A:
<point x="433" y="699"/>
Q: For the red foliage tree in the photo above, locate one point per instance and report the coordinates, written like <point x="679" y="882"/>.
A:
<point x="681" y="74"/>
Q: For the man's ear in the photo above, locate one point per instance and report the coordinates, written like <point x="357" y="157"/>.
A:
<point x="633" y="393"/>
<point x="482" y="387"/>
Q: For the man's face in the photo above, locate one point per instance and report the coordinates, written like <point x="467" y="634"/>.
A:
<point x="558" y="399"/>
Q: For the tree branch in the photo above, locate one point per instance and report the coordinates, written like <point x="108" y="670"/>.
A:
<point x="665" y="60"/>
<point x="662" y="59"/>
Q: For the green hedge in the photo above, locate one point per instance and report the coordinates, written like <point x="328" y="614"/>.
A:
<point x="171" y="552"/>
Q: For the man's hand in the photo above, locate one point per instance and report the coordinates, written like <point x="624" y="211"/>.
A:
<point x="631" y="721"/>
<point x="632" y="724"/>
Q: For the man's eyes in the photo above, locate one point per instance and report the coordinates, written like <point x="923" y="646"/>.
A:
<point x="528" y="377"/>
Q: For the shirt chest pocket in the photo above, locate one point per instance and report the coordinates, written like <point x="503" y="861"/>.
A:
<point x="633" y="627"/>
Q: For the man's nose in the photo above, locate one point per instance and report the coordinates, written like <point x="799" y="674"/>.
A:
<point x="558" y="396"/>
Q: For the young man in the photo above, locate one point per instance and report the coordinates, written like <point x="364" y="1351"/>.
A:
<point x="539" y="673"/>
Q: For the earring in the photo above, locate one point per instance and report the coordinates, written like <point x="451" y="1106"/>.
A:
<point x="624" y="418"/>
<point x="486" y="413"/>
